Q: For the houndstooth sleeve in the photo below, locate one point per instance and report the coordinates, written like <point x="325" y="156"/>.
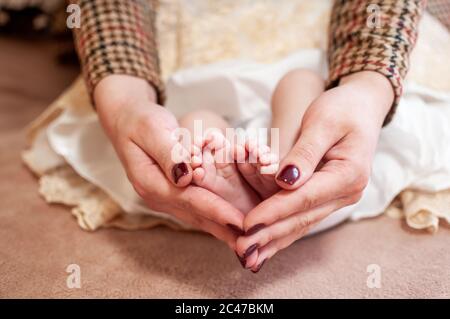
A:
<point x="118" y="37"/>
<point x="373" y="35"/>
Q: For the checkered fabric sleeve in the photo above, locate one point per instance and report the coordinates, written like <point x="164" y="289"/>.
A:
<point x="373" y="35"/>
<point x="118" y="37"/>
<point x="441" y="10"/>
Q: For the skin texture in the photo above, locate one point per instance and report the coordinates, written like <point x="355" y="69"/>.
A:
<point x="334" y="153"/>
<point x="141" y="133"/>
<point x="292" y="96"/>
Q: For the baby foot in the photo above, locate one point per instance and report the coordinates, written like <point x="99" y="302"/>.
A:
<point x="214" y="169"/>
<point x="258" y="166"/>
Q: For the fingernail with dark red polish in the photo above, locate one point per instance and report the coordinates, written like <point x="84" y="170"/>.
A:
<point x="242" y="260"/>
<point x="250" y="250"/>
<point x="179" y="170"/>
<point x="259" y="267"/>
<point x="253" y="230"/>
<point x="289" y="175"/>
<point x="236" y="230"/>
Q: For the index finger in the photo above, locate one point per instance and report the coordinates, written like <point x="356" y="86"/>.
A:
<point x="204" y="203"/>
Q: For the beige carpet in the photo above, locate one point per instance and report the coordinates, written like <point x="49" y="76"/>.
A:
<point x="38" y="242"/>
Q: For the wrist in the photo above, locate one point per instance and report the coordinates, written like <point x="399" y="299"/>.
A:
<point x="372" y="86"/>
<point x="117" y="90"/>
<point x="115" y="93"/>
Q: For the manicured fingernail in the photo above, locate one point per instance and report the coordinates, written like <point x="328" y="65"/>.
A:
<point x="236" y="230"/>
<point x="179" y="170"/>
<point x="250" y="250"/>
<point x="259" y="267"/>
<point x="289" y="175"/>
<point x="254" y="229"/>
<point x="242" y="260"/>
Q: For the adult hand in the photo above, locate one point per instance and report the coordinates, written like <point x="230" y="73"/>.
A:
<point x="142" y="134"/>
<point x="327" y="169"/>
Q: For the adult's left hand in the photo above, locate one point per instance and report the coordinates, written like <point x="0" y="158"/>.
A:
<point x="327" y="169"/>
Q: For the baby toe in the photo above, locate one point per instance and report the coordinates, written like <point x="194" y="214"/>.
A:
<point x="214" y="139"/>
<point x="198" y="175"/>
<point x="262" y="149"/>
<point x="268" y="158"/>
<point x="271" y="169"/>
<point x="251" y="145"/>
<point x="239" y="153"/>
<point x="196" y="161"/>
<point x="195" y="149"/>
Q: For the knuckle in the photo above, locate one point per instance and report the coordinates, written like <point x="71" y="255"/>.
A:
<point x="356" y="175"/>
<point x="278" y="211"/>
<point x="165" y="159"/>
<point x="361" y="178"/>
<point x="207" y="206"/>
<point x="154" y="197"/>
<point x="298" y="225"/>
<point x="307" y="202"/>
<point x="197" y="221"/>
<point x="353" y="199"/>
<point x="153" y="205"/>
<point x="306" y="153"/>
<point x="268" y="237"/>
<point x="213" y="203"/>
<point x="185" y="204"/>
<point x="139" y="185"/>
<point x="277" y="216"/>
<point x="303" y="222"/>
<point x="241" y="245"/>
<point x="140" y="190"/>
<point x="361" y="183"/>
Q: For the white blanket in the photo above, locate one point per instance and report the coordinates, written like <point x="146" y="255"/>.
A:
<point x="413" y="152"/>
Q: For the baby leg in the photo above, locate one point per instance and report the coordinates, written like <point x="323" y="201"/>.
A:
<point x="291" y="98"/>
<point x="293" y="95"/>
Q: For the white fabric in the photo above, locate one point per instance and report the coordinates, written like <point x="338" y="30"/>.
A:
<point x="414" y="150"/>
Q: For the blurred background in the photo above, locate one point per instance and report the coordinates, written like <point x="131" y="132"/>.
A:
<point x="37" y="59"/>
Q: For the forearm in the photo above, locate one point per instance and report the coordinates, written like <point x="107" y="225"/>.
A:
<point x="358" y="43"/>
<point x="118" y="37"/>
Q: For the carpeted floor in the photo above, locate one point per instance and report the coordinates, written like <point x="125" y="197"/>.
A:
<point x="38" y="242"/>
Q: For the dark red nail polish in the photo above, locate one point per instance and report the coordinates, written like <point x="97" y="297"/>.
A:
<point x="253" y="230"/>
<point x="179" y="170"/>
<point x="236" y="230"/>
<point x="250" y="250"/>
<point x="259" y="267"/>
<point x="242" y="260"/>
<point x="289" y="175"/>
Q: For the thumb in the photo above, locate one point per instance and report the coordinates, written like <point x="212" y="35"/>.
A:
<point x="302" y="160"/>
<point x="165" y="147"/>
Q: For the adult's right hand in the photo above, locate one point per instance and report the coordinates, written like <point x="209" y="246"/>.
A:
<point x="141" y="132"/>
